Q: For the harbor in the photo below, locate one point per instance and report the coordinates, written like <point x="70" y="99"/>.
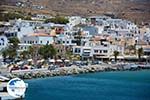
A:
<point x="127" y="85"/>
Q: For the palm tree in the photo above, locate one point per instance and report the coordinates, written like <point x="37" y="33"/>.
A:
<point x="140" y="53"/>
<point x="116" y="54"/>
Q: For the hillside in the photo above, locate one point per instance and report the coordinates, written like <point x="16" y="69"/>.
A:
<point x="135" y="10"/>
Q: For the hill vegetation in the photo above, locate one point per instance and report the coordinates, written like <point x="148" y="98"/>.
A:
<point x="135" y="10"/>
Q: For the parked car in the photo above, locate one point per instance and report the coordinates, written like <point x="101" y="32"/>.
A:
<point x="24" y="68"/>
<point x="15" y="68"/>
<point x="8" y="61"/>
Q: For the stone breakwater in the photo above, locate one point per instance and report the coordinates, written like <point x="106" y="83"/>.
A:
<point x="65" y="71"/>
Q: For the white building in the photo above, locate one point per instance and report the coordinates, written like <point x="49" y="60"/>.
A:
<point x="21" y="28"/>
<point x="74" y="20"/>
<point x="41" y="17"/>
<point x="35" y="39"/>
<point x="100" y="50"/>
<point x="66" y="39"/>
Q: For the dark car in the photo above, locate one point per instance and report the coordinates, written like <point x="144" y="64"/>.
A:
<point x="24" y="68"/>
<point x="7" y="60"/>
<point x="14" y="68"/>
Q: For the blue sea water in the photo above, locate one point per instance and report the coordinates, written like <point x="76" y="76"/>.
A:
<point x="96" y="86"/>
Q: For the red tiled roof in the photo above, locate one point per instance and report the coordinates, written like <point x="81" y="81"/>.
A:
<point x="39" y="34"/>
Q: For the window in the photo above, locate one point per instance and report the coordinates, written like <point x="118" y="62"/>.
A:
<point x="105" y="51"/>
<point x="96" y="51"/>
<point x="105" y="45"/>
<point x="24" y="41"/>
<point x="41" y="41"/>
<point x="61" y="50"/>
<point x="67" y="42"/>
<point x="100" y="51"/>
<point x="73" y="41"/>
<point x="47" y="42"/>
<point x="2" y="39"/>
<point x="77" y="50"/>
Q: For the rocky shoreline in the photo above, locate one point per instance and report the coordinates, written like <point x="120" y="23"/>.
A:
<point x="65" y="71"/>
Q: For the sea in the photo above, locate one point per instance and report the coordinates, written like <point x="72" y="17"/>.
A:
<point x="121" y="85"/>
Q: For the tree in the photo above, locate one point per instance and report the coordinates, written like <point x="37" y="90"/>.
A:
<point x="14" y="41"/>
<point x="14" y="15"/>
<point x="5" y="53"/>
<point x="47" y="51"/>
<point x="57" y="20"/>
<point x="116" y="54"/>
<point x="27" y="18"/>
<point x="24" y="55"/>
<point x="33" y="50"/>
<point x="11" y="51"/>
<point x="140" y="53"/>
<point x="10" y="16"/>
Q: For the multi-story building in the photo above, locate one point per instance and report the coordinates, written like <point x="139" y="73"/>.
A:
<point x="100" y="49"/>
<point x="21" y="27"/>
<point x="35" y="39"/>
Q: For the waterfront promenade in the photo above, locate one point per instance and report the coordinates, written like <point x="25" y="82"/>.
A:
<point x="65" y="71"/>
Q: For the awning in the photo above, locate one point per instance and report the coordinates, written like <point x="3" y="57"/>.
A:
<point x="67" y="60"/>
<point x="29" y="60"/>
<point x="119" y="57"/>
<point x="101" y="57"/>
<point x="51" y="60"/>
<point x="59" y="60"/>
